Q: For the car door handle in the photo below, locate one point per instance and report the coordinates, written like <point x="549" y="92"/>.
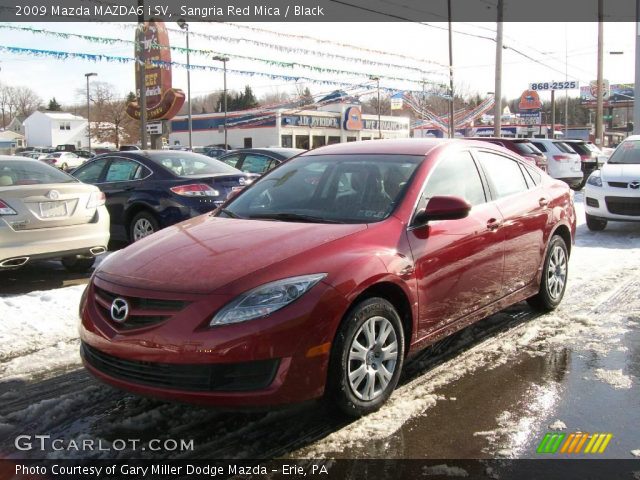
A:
<point x="128" y="188"/>
<point x="493" y="224"/>
<point x="543" y="202"/>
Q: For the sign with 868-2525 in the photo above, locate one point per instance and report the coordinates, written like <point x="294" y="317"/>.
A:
<point x="564" y="85"/>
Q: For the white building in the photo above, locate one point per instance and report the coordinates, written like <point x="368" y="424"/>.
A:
<point x="297" y="128"/>
<point x="48" y="129"/>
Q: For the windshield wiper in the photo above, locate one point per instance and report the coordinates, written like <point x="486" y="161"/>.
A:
<point x="229" y="213"/>
<point x="296" y="217"/>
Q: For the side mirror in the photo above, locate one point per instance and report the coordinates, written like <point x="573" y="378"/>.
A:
<point x="443" y="207"/>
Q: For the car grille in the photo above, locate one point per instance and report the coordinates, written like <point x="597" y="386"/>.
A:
<point x="144" y="312"/>
<point x="623" y="206"/>
<point x="190" y="377"/>
<point x="618" y="184"/>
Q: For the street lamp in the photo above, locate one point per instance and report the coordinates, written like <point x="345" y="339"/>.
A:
<point x="87" y="75"/>
<point x="377" y="80"/>
<point x="185" y="26"/>
<point x="224" y="60"/>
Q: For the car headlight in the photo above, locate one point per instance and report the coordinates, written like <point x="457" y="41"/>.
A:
<point x="595" y="179"/>
<point x="265" y="299"/>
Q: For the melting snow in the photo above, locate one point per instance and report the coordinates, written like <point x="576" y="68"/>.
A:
<point x="615" y="378"/>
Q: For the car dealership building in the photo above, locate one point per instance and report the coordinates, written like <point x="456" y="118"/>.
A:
<point x="297" y="128"/>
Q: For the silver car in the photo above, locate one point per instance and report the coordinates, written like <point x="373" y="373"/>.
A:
<point x="48" y="214"/>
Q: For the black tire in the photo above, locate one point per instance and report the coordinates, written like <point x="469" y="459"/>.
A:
<point x="596" y="224"/>
<point x="340" y="392"/>
<point x="146" y="221"/>
<point x="550" y="295"/>
<point x="77" y="264"/>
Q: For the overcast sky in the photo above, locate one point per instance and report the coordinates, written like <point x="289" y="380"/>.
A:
<point x="556" y="50"/>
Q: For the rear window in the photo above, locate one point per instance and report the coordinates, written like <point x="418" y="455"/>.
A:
<point x="185" y="164"/>
<point x="17" y="172"/>
<point x="540" y="146"/>
<point x="581" y="148"/>
<point x="527" y="148"/>
<point x="563" y="147"/>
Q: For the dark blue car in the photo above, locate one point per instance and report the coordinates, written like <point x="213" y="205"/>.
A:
<point x="149" y="190"/>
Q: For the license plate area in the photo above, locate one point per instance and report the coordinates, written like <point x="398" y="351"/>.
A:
<point x="53" y="209"/>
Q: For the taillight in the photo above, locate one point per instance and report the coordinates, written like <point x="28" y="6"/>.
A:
<point x="6" y="209"/>
<point x="195" y="190"/>
<point x="585" y="158"/>
<point x="96" y="200"/>
<point x="562" y="158"/>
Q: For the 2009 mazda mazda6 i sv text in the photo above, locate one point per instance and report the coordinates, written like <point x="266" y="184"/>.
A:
<point x="322" y="277"/>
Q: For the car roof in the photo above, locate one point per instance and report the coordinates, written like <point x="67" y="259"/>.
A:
<point x="403" y="146"/>
<point x="280" y="151"/>
<point x="499" y="139"/>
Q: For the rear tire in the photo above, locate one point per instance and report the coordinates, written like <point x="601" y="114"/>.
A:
<point x="596" y="224"/>
<point x="554" y="277"/>
<point x="77" y="264"/>
<point x="142" y="225"/>
<point x="366" y="358"/>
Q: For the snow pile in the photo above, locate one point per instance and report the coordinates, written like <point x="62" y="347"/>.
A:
<point x="615" y="378"/>
<point x="558" y="425"/>
<point x="39" y="331"/>
<point x="445" y="471"/>
<point x="635" y="453"/>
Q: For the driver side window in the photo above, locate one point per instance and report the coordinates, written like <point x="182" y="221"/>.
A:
<point x="458" y="176"/>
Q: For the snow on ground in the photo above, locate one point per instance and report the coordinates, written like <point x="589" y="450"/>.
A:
<point x="39" y="331"/>
<point x="635" y="453"/>
<point x="444" y="471"/>
<point x="615" y="378"/>
<point x="558" y="425"/>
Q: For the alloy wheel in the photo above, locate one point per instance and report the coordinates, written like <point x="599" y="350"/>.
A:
<point x="372" y="359"/>
<point x="556" y="272"/>
<point x="142" y="228"/>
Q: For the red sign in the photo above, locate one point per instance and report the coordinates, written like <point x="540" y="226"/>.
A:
<point x="152" y="48"/>
<point x="353" y="119"/>
<point x="529" y="100"/>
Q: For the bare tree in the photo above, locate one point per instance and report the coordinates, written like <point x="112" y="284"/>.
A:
<point x="6" y="103"/>
<point x="109" y="119"/>
<point x="26" y="101"/>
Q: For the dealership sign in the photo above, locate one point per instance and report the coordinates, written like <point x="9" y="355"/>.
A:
<point x="353" y="119"/>
<point x="554" y="85"/>
<point x="529" y="100"/>
<point x="154" y="55"/>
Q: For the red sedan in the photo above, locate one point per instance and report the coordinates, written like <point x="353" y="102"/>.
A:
<point x="327" y="273"/>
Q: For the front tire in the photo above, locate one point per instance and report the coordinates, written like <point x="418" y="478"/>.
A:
<point x="554" y="277"/>
<point x="142" y="225"/>
<point x="367" y="358"/>
<point x="596" y="224"/>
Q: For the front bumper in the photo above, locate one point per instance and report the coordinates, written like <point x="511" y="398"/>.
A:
<point x="276" y="360"/>
<point x="612" y="203"/>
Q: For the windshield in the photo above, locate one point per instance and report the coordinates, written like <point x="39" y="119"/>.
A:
<point x="28" y="172"/>
<point x="328" y="189"/>
<point x="580" y="148"/>
<point x="628" y="153"/>
<point x="563" y="147"/>
<point x="185" y="164"/>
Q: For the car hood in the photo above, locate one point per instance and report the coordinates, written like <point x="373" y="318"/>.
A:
<point x="620" y="171"/>
<point x="206" y="253"/>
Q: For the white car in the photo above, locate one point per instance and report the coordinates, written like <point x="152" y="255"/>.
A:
<point x="64" y="160"/>
<point x="563" y="163"/>
<point x="613" y="193"/>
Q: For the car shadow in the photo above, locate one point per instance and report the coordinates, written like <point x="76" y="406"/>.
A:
<point x="92" y="409"/>
<point x="39" y="275"/>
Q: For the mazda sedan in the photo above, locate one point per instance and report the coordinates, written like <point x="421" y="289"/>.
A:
<point x="325" y="275"/>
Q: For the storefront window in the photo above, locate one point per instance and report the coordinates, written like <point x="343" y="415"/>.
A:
<point x="318" y="141"/>
<point x="248" y="142"/>
<point x="333" y="140"/>
<point x="302" y="141"/>
<point x="287" y="141"/>
<point x="351" y="139"/>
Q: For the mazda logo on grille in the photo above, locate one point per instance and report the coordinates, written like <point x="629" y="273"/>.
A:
<point x="634" y="185"/>
<point x="53" y="195"/>
<point x="119" y="310"/>
<point x="242" y="181"/>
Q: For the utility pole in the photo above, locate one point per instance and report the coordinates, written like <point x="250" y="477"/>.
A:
<point x="185" y="26"/>
<point x="636" y="100"/>
<point x="89" y="107"/>
<point x="497" y="116"/>
<point x="553" y="115"/>
<point x="224" y="60"/>
<point x="599" y="87"/>
<point x="452" y="131"/>
<point x="142" y="67"/>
